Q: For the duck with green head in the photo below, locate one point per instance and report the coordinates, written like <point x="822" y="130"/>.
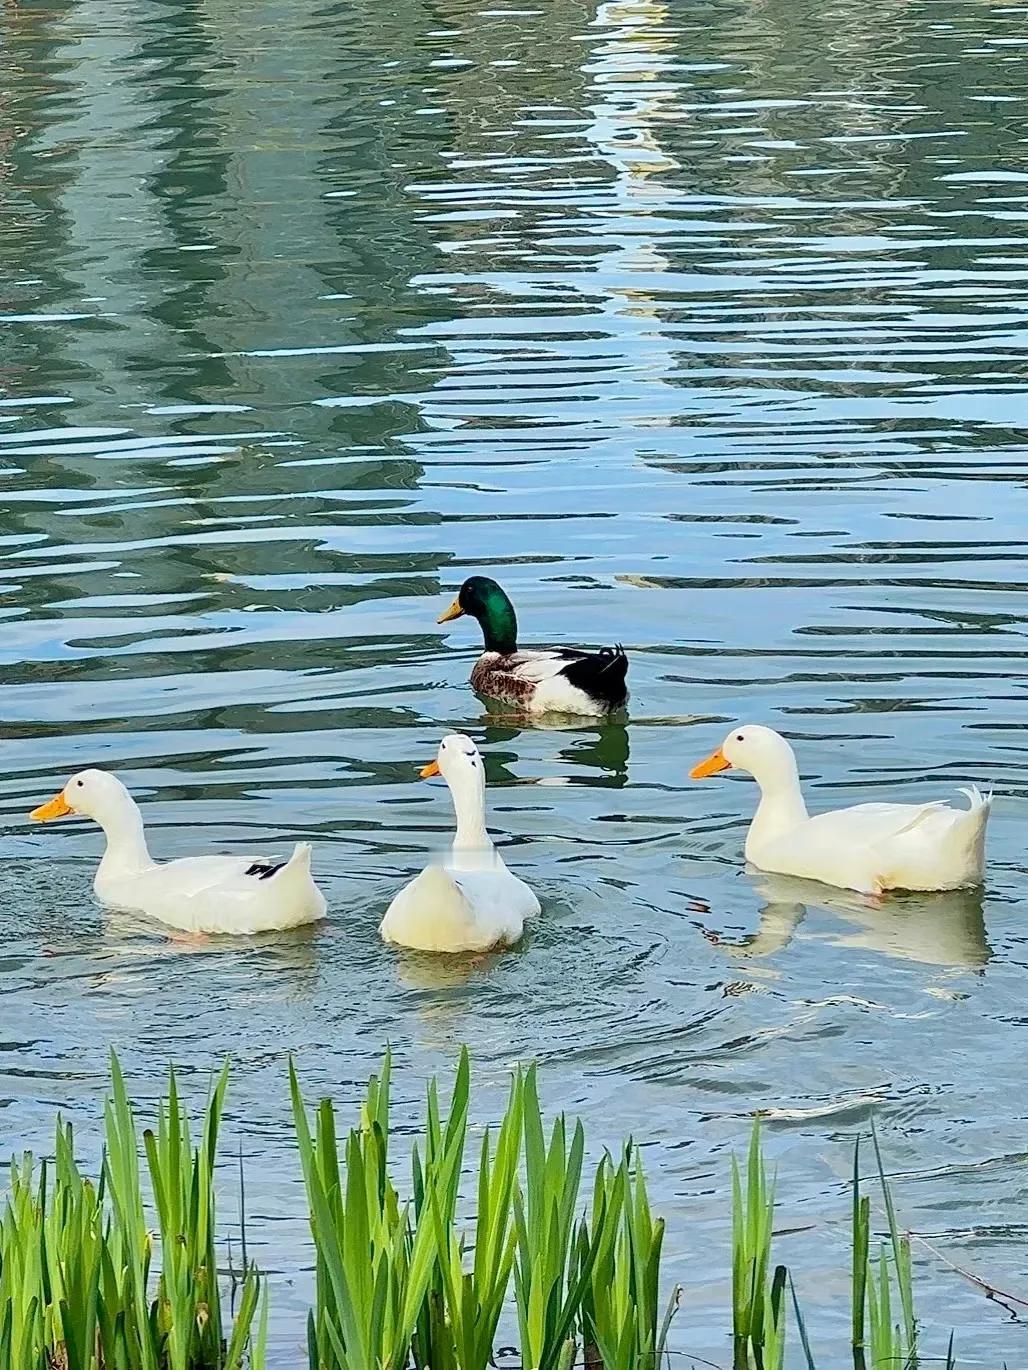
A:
<point x="564" y="680"/>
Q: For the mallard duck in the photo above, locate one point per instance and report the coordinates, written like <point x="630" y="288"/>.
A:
<point x="562" y="680"/>
<point x="870" y="847"/>
<point x="470" y="902"/>
<point x="197" y="894"/>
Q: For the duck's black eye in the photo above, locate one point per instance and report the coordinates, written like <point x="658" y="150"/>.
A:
<point x="79" y="783"/>
<point x="739" y="737"/>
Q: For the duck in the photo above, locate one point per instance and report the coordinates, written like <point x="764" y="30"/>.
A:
<point x="470" y="901"/>
<point x="870" y="848"/>
<point x="563" y="680"/>
<point x="196" y="895"/>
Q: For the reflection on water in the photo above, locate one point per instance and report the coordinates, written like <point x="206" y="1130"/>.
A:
<point x="595" y="754"/>
<point x="943" y="929"/>
<point x="700" y="326"/>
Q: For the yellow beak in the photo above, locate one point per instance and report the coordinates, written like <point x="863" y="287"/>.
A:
<point x="714" y="763"/>
<point x="428" y="771"/>
<point x="58" y="807"/>
<point x="454" y="611"/>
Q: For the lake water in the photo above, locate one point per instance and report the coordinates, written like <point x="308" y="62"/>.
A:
<point x="704" y="327"/>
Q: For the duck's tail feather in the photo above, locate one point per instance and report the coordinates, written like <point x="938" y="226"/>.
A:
<point x="300" y="860"/>
<point x="976" y="798"/>
<point x="299" y="864"/>
<point x="295" y="881"/>
<point x="601" y="675"/>
<point x="969" y="833"/>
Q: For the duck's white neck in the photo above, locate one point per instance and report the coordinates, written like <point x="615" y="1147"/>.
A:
<point x="468" y="794"/>
<point x="126" y="852"/>
<point x="781" y="806"/>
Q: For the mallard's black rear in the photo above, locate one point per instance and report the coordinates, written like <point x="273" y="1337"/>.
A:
<point x="601" y="675"/>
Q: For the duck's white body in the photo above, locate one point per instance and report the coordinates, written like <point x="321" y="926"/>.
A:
<point x="470" y="901"/>
<point x="870" y="847"/>
<point x="233" y="895"/>
<point x="876" y="847"/>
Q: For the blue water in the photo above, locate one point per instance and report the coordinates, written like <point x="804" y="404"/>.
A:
<point x="700" y="326"/>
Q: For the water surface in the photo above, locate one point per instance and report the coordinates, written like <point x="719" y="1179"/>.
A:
<point x="703" y="326"/>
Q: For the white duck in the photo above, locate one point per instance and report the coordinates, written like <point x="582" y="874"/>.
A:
<point x="870" y="847"/>
<point x="470" y="902"/>
<point x="197" y="894"/>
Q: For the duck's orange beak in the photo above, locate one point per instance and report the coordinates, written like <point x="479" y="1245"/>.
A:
<point x="454" y="611"/>
<point x="717" y="761"/>
<point x="58" y="807"/>
<point x="430" y="770"/>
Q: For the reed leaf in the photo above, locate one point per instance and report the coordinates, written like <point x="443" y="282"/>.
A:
<point x="551" y="1272"/>
<point x="758" y="1304"/>
<point x="375" y="1265"/>
<point x="473" y="1299"/>
<point x="901" y="1258"/>
<point x="79" y="1288"/>
<point x="620" y="1310"/>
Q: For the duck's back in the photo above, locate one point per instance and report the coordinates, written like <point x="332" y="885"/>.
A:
<point x="235" y="895"/>
<point x="874" y="847"/>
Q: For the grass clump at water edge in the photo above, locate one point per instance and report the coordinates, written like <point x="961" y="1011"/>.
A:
<point x="89" y="1282"/>
<point x="881" y="1281"/>
<point x="120" y="1273"/>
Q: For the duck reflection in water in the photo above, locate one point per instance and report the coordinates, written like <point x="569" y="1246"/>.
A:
<point x="939" y="929"/>
<point x="291" y="951"/>
<point x="428" y="971"/>
<point x="442" y="989"/>
<point x="603" y="748"/>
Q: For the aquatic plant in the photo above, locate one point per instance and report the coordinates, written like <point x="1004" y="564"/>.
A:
<point x="50" y="1244"/>
<point x="882" y="1281"/>
<point x="621" y="1324"/>
<point x="471" y="1301"/>
<point x="421" y="1296"/>
<point x="758" y="1302"/>
<point x="84" y="1285"/>
<point x="121" y="1273"/>
<point x="550" y="1273"/>
<point x="374" y="1266"/>
<point x="878" y="1338"/>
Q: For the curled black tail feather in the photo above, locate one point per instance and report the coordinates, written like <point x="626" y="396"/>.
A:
<point x="601" y="675"/>
<point x="614" y="657"/>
